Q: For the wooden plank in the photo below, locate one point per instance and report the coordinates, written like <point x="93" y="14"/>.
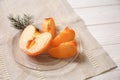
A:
<point x="100" y="15"/>
<point x="92" y="3"/>
<point x="107" y="34"/>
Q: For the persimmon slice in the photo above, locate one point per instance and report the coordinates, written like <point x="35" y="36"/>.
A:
<point x="49" y="26"/>
<point x="64" y="50"/>
<point x="66" y="35"/>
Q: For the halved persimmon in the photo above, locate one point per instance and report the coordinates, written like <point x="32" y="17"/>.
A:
<point x="49" y="26"/>
<point x="64" y="50"/>
<point x="66" y="35"/>
<point x="32" y="42"/>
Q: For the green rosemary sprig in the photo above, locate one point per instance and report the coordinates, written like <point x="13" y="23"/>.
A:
<point x="20" y="22"/>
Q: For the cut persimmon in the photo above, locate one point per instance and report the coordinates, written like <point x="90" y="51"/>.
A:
<point x="66" y="35"/>
<point x="34" y="43"/>
<point x="64" y="50"/>
<point x="49" y="26"/>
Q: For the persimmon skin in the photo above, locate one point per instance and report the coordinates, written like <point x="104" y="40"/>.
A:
<point x="64" y="50"/>
<point x="64" y="36"/>
<point x="49" y="26"/>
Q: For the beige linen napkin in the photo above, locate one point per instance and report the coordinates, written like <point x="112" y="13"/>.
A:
<point x="93" y="61"/>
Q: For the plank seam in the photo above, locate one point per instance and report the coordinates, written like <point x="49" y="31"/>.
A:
<point x="91" y="25"/>
<point x="96" y="6"/>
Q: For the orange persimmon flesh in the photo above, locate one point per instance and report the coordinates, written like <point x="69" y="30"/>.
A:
<point x="64" y="36"/>
<point x="49" y="26"/>
<point x="64" y="50"/>
<point x="34" y="43"/>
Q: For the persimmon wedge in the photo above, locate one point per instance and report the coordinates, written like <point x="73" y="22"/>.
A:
<point x="32" y="42"/>
<point x="64" y="36"/>
<point x="64" y="50"/>
<point x="49" y="26"/>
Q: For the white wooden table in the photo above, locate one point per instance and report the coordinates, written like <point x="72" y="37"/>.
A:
<point x="102" y="18"/>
